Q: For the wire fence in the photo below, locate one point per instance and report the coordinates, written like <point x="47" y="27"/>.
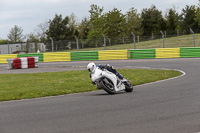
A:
<point x="162" y="39"/>
<point x="132" y="42"/>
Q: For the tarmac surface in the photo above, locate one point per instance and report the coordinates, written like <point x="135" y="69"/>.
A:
<point x="170" y="106"/>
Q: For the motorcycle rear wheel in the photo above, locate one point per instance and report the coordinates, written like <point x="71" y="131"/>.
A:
<point x="108" y="88"/>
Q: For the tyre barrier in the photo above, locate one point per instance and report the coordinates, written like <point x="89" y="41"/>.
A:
<point x="24" y="62"/>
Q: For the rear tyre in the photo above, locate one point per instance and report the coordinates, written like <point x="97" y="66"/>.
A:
<point x="128" y="86"/>
<point x="109" y="88"/>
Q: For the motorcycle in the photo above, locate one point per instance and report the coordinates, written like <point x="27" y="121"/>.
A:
<point x="109" y="82"/>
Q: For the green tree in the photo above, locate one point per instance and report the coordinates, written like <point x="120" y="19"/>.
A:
<point x="59" y="28"/>
<point x="197" y="16"/>
<point x="96" y="17"/>
<point x="151" y="19"/>
<point x="3" y="41"/>
<point x="84" y="28"/>
<point x="115" y="24"/>
<point x="73" y="24"/>
<point x="133" y="22"/>
<point x="162" y="24"/>
<point x="188" y="15"/>
<point x="97" y="21"/>
<point x="15" y="34"/>
<point x="32" y="37"/>
<point x="41" y="30"/>
<point x="173" y="21"/>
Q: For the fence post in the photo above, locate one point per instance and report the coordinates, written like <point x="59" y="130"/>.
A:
<point x="52" y="47"/>
<point x="109" y="42"/>
<point x="193" y="37"/>
<point x="133" y="39"/>
<point x="76" y="42"/>
<point x="8" y="47"/>
<point x="177" y="32"/>
<point x="82" y="44"/>
<point x="104" y="41"/>
<point x="30" y="46"/>
<point x="163" y="37"/>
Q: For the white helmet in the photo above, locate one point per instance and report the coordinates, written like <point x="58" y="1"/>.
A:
<point x="91" y="67"/>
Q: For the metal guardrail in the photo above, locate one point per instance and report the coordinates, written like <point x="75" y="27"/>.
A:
<point x="110" y="55"/>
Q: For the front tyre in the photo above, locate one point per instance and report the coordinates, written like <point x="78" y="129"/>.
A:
<point x="128" y="86"/>
<point x="107" y="86"/>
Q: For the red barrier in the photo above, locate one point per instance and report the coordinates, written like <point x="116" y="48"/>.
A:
<point x="25" y="62"/>
<point x="17" y="63"/>
<point x="31" y="62"/>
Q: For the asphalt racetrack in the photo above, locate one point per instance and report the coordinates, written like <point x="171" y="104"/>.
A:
<point x="171" y="106"/>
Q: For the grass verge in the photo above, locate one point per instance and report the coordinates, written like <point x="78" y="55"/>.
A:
<point x="170" y="42"/>
<point x="26" y="86"/>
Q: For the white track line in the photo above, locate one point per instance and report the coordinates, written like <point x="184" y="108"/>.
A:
<point x="183" y="74"/>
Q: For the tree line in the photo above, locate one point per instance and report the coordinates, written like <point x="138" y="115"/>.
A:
<point x="113" y="24"/>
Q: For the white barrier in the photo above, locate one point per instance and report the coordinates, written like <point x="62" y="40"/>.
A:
<point x="24" y="62"/>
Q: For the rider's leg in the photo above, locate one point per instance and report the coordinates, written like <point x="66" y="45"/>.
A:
<point x="115" y="72"/>
<point x="119" y="75"/>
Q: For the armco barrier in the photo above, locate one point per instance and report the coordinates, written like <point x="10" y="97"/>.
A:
<point x="53" y="57"/>
<point x="189" y="52"/>
<point x="40" y="55"/>
<point x="142" y="53"/>
<point x="168" y="53"/>
<point x="113" y="54"/>
<point x="84" y="55"/>
<point x="110" y="54"/>
<point x="3" y="58"/>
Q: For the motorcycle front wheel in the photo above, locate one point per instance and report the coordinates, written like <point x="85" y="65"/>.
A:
<point x="128" y="86"/>
<point x="108" y="87"/>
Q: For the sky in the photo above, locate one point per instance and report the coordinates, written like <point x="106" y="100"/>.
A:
<point x="29" y="13"/>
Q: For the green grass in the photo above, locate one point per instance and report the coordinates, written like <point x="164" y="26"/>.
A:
<point x="170" y="42"/>
<point x="26" y="86"/>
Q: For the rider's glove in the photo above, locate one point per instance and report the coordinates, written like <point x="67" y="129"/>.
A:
<point x="101" y="66"/>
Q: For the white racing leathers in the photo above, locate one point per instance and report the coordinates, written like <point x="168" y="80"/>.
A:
<point x="110" y="82"/>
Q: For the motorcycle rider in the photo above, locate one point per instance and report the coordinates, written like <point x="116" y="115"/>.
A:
<point x="92" y="66"/>
<point x="107" y="81"/>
